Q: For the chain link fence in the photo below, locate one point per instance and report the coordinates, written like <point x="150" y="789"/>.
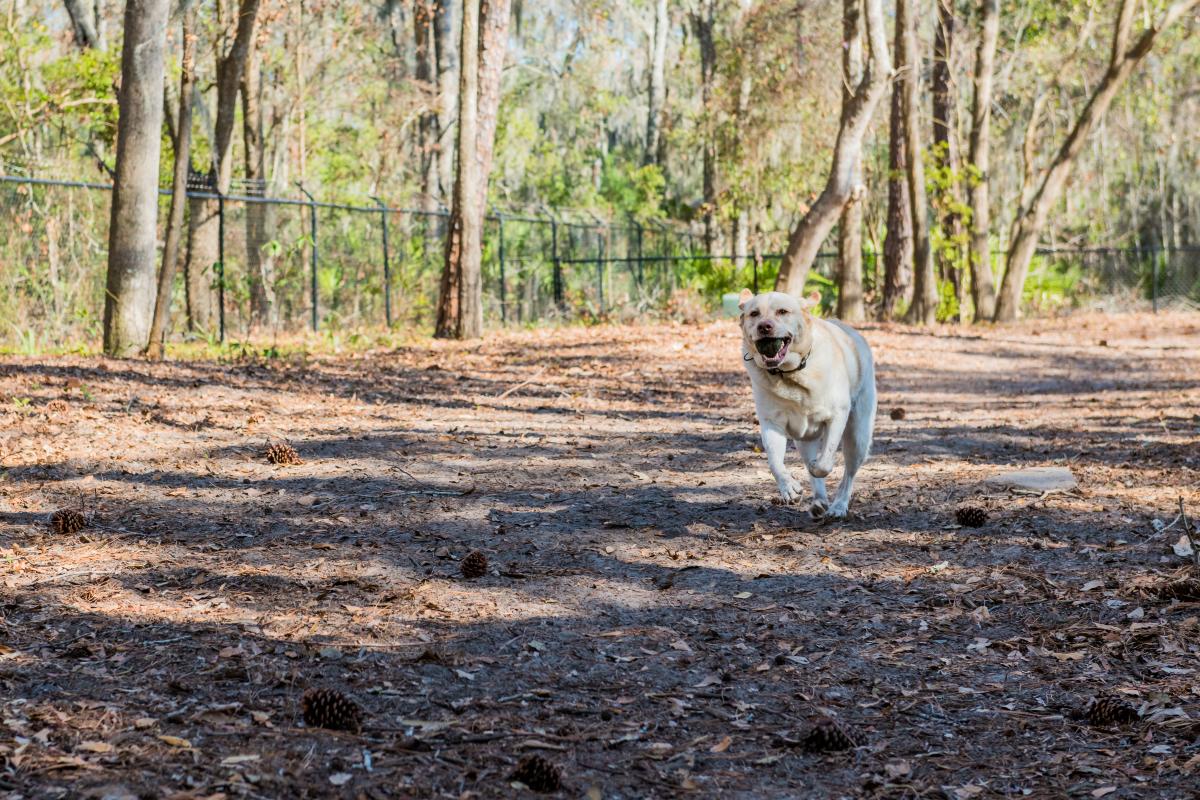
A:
<point x="283" y="265"/>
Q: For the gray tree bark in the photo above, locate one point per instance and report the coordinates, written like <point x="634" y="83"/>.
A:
<point x="658" y="83"/>
<point x="429" y="148"/>
<point x="85" y="23"/>
<point x="850" y="277"/>
<point x="260" y="262"/>
<point x="704" y="23"/>
<point x="923" y="309"/>
<point x="805" y="241"/>
<point x="897" y="244"/>
<point x="983" y="290"/>
<point x="183" y="153"/>
<point x="1124" y="60"/>
<point x="129" y="295"/>
<point x="446" y="63"/>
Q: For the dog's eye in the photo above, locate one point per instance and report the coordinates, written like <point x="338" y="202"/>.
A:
<point x="783" y="311"/>
<point x="754" y="313"/>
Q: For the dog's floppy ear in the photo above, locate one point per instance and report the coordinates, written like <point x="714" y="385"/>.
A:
<point x="745" y="297"/>
<point x="812" y="301"/>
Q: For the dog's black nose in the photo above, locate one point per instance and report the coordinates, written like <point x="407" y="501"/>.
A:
<point x="765" y="327"/>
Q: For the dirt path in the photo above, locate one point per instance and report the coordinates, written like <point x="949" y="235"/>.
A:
<point x="652" y="622"/>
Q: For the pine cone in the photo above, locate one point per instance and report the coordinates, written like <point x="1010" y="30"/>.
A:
<point x="329" y="708"/>
<point x="283" y="453"/>
<point x="898" y="413"/>
<point x="67" y="521"/>
<point x="1109" y="710"/>
<point x="538" y="774"/>
<point x="827" y="736"/>
<point x="475" y="565"/>
<point x="971" y="516"/>
<point x="1186" y="590"/>
<point x="56" y="406"/>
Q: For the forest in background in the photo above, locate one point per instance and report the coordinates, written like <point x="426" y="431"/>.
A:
<point x="712" y="114"/>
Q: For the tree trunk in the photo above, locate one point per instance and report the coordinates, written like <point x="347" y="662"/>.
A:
<point x="805" y="241"/>
<point x="183" y="154"/>
<point x="897" y="245"/>
<point x="429" y="149"/>
<point x="482" y="50"/>
<point x="923" y="309"/>
<point x="446" y="63"/>
<point x="945" y="149"/>
<point x="85" y="23"/>
<point x="850" y="278"/>
<point x="1028" y="228"/>
<point x="204" y="224"/>
<point x="260" y="263"/>
<point x="703" y="23"/>
<point x="658" y="82"/>
<point x="983" y="291"/>
<point x="129" y="295"/>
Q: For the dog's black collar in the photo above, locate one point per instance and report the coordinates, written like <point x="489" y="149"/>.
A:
<point x="777" y="370"/>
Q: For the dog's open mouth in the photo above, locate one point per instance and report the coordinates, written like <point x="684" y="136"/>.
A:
<point x="773" y="350"/>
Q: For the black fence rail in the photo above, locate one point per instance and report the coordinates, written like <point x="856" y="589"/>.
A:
<point x="287" y="264"/>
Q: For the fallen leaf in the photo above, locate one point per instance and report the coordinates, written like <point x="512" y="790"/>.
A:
<point x="340" y="778"/>
<point x="233" y="761"/>
<point x="743" y="595"/>
<point x="95" y="747"/>
<point x="1103" y="790"/>
<point x="721" y="746"/>
<point x="1092" y="585"/>
<point x="175" y="741"/>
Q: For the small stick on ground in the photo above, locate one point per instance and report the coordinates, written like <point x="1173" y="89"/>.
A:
<point x="1189" y="530"/>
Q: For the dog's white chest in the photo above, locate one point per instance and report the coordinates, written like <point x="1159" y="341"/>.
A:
<point x="796" y="409"/>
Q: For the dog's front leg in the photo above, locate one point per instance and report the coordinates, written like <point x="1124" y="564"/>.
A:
<point x="774" y="441"/>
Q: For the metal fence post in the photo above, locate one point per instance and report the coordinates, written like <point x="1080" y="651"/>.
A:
<point x="602" y="236"/>
<point x="387" y="268"/>
<point x="640" y="264"/>
<point x="558" y="278"/>
<point x="1154" y="280"/>
<point x="221" y="263"/>
<point x="503" y="282"/>
<point x="312" y="206"/>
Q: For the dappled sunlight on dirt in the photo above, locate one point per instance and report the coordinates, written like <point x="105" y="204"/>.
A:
<point x="646" y="598"/>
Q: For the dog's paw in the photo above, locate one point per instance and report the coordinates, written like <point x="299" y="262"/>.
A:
<point x="819" y="508"/>
<point x="791" y="491"/>
<point x="837" y="511"/>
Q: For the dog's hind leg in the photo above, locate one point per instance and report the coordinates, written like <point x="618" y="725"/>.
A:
<point x="856" y="447"/>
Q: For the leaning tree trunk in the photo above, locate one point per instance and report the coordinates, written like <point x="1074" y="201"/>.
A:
<point x="129" y="293"/>
<point x="805" y="241"/>
<point x="204" y="223"/>
<point x="925" y="299"/>
<point x="658" y="84"/>
<point x="983" y="290"/>
<point x="1124" y="60"/>
<point x="183" y="155"/>
<point x="260" y="262"/>
<point x="850" y="272"/>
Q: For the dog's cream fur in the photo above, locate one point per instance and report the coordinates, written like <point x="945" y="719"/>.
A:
<point x="830" y="401"/>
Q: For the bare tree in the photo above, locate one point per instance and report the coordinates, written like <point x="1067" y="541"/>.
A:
<point x="945" y="147"/>
<point x="203" y="225"/>
<point x="446" y="60"/>
<point x="704" y="25"/>
<point x="983" y="291"/>
<point x="897" y="245"/>
<point x="129" y="293"/>
<point x="429" y="149"/>
<point x="481" y="59"/>
<point x="805" y="241"/>
<point x="1125" y="56"/>
<point x="86" y="23"/>
<point x="260" y="262"/>
<point x="850" y="279"/>
<point x="658" y="83"/>
<point x="183" y="152"/>
<point x="925" y="299"/>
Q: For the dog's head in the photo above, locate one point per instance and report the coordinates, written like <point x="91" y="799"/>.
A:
<point x="776" y="327"/>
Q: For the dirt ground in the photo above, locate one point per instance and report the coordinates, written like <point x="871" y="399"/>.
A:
<point x="653" y="621"/>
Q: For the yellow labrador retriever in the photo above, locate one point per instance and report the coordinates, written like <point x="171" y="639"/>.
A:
<point x="814" y="383"/>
